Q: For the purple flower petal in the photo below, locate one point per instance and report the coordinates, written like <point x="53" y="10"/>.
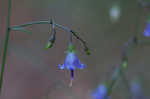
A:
<point x="61" y="66"/>
<point x="100" y="92"/>
<point x="136" y="90"/>
<point x="71" y="62"/>
<point x="146" y="32"/>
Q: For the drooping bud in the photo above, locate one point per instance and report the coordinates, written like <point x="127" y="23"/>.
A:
<point x="50" y="42"/>
<point x="52" y="37"/>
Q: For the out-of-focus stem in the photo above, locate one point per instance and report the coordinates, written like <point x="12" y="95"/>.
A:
<point x="126" y="83"/>
<point x="123" y="66"/>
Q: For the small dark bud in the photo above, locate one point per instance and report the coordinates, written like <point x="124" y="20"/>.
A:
<point x="87" y="51"/>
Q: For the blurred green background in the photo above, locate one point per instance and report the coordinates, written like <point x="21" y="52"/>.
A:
<point x="31" y="71"/>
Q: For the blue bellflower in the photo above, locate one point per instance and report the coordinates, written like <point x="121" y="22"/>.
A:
<point x="101" y="92"/>
<point x="136" y="90"/>
<point x="146" y="32"/>
<point x="71" y="62"/>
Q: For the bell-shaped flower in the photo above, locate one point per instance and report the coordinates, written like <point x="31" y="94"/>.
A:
<point x="146" y="32"/>
<point x="101" y="92"/>
<point x="72" y="62"/>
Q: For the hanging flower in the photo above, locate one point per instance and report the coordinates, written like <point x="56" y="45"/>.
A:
<point x="101" y="92"/>
<point x="71" y="62"/>
<point x="146" y="32"/>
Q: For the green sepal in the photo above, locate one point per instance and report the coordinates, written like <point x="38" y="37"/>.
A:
<point x="71" y="48"/>
<point x="49" y="45"/>
<point x="87" y="51"/>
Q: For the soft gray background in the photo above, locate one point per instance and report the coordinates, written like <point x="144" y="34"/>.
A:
<point x="31" y="71"/>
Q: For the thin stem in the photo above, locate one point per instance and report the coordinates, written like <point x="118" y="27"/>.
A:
<point x="113" y="82"/>
<point x="48" y="22"/>
<point x="57" y="25"/>
<point x="5" y="45"/>
<point x="126" y="83"/>
<point x="31" y="23"/>
<point x="74" y="34"/>
<point x="53" y="28"/>
<point x="121" y="68"/>
<point x="80" y="39"/>
<point x="52" y="31"/>
<point x="115" y="77"/>
<point x="70" y="38"/>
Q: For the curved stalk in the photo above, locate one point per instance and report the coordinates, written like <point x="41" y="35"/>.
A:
<point x="18" y="27"/>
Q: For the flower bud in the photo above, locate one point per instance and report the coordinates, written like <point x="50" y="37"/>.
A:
<point x="50" y="42"/>
<point x="87" y="51"/>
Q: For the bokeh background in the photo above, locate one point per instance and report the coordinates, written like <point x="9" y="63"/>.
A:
<point x="31" y="71"/>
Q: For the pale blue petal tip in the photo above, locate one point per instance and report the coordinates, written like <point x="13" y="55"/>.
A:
<point x="82" y="66"/>
<point x="61" y="66"/>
